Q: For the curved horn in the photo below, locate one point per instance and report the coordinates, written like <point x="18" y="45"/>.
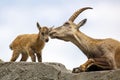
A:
<point x="75" y="15"/>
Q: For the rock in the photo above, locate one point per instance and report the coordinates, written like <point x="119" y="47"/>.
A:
<point x="97" y="75"/>
<point x="50" y="71"/>
<point x="1" y="60"/>
<point x="30" y="71"/>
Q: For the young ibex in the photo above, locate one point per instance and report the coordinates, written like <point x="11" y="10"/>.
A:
<point x="105" y="53"/>
<point x="29" y="44"/>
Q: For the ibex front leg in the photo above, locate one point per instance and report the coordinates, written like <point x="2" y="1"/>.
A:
<point x="84" y="66"/>
<point x="39" y="56"/>
<point x="97" y="63"/>
<point x="31" y="54"/>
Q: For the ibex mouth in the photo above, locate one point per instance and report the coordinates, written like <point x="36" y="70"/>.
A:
<point x="52" y="34"/>
<point x="53" y="37"/>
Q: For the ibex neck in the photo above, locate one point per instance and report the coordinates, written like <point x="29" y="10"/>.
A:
<point x="39" y="38"/>
<point x="83" y="42"/>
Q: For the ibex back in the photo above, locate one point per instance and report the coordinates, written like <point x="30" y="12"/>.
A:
<point x="104" y="53"/>
<point x="29" y="44"/>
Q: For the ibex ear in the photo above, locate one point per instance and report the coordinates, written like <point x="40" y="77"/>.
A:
<point x="38" y="26"/>
<point x="81" y="23"/>
<point x="51" y="28"/>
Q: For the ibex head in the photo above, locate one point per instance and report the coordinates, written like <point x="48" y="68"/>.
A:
<point x="67" y="30"/>
<point x="43" y="32"/>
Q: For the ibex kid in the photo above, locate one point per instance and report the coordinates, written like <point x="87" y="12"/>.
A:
<point x="30" y="45"/>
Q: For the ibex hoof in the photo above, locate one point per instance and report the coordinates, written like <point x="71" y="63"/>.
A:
<point x="78" y="69"/>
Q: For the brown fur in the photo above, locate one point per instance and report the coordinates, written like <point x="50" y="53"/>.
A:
<point x="29" y="44"/>
<point x="104" y="53"/>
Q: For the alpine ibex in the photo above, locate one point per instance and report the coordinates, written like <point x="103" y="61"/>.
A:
<point x="29" y="44"/>
<point x="104" y="53"/>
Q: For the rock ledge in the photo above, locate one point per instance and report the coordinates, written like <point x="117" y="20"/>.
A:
<point x="50" y="71"/>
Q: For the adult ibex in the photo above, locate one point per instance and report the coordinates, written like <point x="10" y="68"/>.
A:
<point x="30" y="45"/>
<point x="103" y="53"/>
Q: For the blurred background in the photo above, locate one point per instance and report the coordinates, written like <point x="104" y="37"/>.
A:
<point x="20" y="17"/>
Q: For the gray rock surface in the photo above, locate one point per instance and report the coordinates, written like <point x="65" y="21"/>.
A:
<point x="1" y="60"/>
<point x="50" y="71"/>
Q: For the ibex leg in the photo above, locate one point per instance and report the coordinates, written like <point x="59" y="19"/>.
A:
<point x="32" y="55"/>
<point x="24" y="57"/>
<point x="15" y="55"/>
<point x="95" y="64"/>
<point x="84" y="66"/>
<point x="39" y="57"/>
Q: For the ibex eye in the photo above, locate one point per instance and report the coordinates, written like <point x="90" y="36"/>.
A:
<point x="66" y="23"/>
<point x="42" y="33"/>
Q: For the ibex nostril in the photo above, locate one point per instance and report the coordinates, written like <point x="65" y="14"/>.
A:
<point x="46" y="40"/>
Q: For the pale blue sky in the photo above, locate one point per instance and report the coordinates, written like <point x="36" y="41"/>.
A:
<point x="20" y="17"/>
